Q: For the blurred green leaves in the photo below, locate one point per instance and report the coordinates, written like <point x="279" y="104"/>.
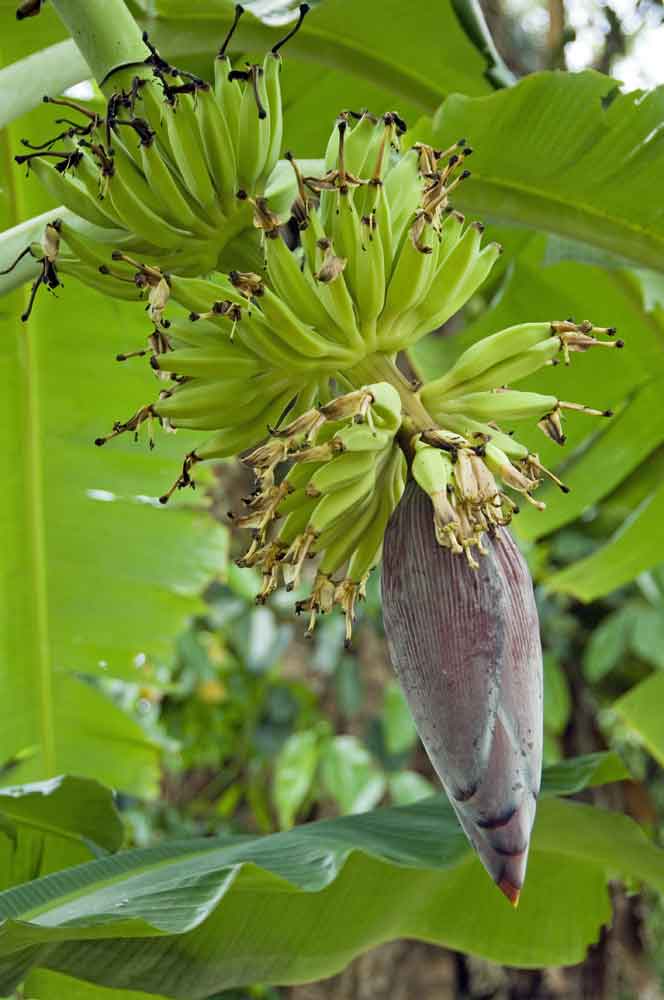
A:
<point x="294" y="772"/>
<point x="641" y="710"/>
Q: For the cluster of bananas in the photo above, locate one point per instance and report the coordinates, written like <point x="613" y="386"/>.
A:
<point x="458" y="462"/>
<point x="169" y="170"/>
<point x="369" y="257"/>
<point x="345" y="479"/>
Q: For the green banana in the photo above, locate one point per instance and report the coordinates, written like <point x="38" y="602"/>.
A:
<point x="367" y="553"/>
<point x="70" y="192"/>
<point x="440" y="307"/>
<point x="411" y="277"/>
<point x="333" y="506"/>
<point x="339" y="472"/>
<point x="219" y="146"/>
<point x="291" y="285"/>
<point x="488" y="352"/>
<point x="501" y="404"/>
<point x="249" y="408"/>
<point x="254" y="137"/>
<point x="271" y="73"/>
<point x="222" y="362"/>
<point x="360" y="437"/>
<point x="514" y="369"/>
<point x="403" y="191"/>
<point x="285" y="324"/>
<point x="188" y="150"/>
<point x="176" y="205"/>
<point x="141" y="219"/>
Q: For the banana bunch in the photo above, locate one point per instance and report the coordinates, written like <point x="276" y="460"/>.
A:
<point x="457" y="464"/>
<point x="345" y="479"/>
<point x="381" y="259"/>
<point x="170" y="170"/>
<point x="384" y="259"/>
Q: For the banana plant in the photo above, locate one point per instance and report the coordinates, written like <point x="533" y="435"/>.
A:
<point x="173" y="166"/>
<point x="276" y="318"/>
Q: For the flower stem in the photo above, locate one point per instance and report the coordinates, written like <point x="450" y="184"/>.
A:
<point x="105" y="33"/>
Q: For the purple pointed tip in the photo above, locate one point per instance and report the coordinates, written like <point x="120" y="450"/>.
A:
<point x="510" y="891"/>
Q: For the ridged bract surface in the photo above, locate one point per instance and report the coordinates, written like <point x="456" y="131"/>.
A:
<point x="465" y="644"/>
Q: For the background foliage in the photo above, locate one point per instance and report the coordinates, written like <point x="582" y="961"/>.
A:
<point x="210" y="716"/>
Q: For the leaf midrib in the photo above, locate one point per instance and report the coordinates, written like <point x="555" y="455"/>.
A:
<point x="34" y="498"/>
<point x="562" y="207"/>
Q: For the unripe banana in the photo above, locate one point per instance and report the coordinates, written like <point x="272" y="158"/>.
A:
<point x="429" y="317"/>
<point x="501" y="404"/>
<point x="199" y="295"/>
<point x="360" y="437"/>
<point x="370" y="274"/>
<point x="291" y="285"/>
<point x="177" y="206"/>
<point x="488" y="352"/>
<point x="227" y="90"/>
<point x="347" y="238"/>
<point x="254" y="138"/>
<point x="141" y="219"/>
<point x="226" y="361"/>
<point x="284" y="324"/>
<point x="89" y="251"/>
<point x="442" y="290"/>
<point x="219" y="147"/>
<point x="403" y="191"/>
<point x="478" y="433"/>
<point x="411" y="277"/>
<point x="271" y="73"/>
<point x="255" y="334"/>
<point x="71" y="193"/>
<point x="234" y="440"/>
<point x="296" y="521"/>
<point x="339" y="472"/>
<point x="198" y="396"/>
<point x="331" y="287"/>
<point x="432" y="469"/>
<point x="249" y="409"/>
<point x="188" y="149"/>
<point x="345" y="536"/>
<point x="514" y="369"/>
<point x="333" y="506"/>
<point x="91" y="276"/>
<point x="386" y="405"/>
<point x="368" y="552"/>
<point x="359" y="145"/>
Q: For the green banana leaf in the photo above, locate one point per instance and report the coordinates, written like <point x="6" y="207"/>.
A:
<point x="96" y="579"/>
<point x="636" y="546"/>
<point x="565" y="153"/>
<point x="50" y="825"/>
<point x="186" y="920"/>
<point x="46" y="985"/>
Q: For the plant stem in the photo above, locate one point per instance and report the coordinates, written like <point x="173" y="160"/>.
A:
<point x="105" y="33"/>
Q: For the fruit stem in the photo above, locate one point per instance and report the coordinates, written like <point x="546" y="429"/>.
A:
<point x="381" y="368"/>
<point x="105" y="33"/>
